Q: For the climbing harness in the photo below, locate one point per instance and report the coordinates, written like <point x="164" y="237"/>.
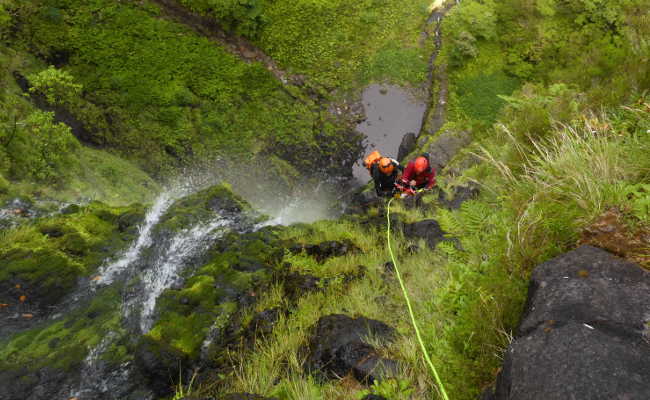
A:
<point x="412" y="315"/>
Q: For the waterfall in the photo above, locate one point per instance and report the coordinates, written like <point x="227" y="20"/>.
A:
<point x="108" y="273"/>
<point x="164" y="271"/>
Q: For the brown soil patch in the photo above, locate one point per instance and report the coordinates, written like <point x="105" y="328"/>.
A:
<point x="612" y="232"/>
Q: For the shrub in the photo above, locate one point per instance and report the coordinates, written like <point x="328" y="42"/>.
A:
<point x="56" y="85"/>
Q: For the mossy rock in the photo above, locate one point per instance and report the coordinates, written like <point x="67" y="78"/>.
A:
<point x="43" y="260"/>
<point x="63" y="344"/>
<point x="202" y="206"/>
<point x="211" y="300"/>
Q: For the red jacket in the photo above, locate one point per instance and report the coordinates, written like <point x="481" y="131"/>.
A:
<point x="427" y="178"/>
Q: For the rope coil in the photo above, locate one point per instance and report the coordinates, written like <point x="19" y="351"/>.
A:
<point x="410" y="309"/>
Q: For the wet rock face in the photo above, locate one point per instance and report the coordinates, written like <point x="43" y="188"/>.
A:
<point x="159" y="362"/>
<point x="338" y="347"/>
<point x="583" y="333"/>
<point x="408" y="144"/>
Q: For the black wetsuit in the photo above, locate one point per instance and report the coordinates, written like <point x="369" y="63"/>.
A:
<point x="385" y="184"/>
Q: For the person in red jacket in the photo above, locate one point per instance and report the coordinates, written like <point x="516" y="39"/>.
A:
<point x="419" y="174"/>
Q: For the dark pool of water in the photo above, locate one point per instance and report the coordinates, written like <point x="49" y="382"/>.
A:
<point x="391" y="112"/>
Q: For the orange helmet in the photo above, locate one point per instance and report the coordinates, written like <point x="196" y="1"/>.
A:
<point x="421" y="165"/>
<point x="371" y="159"/>
<point x="386" y="166"/>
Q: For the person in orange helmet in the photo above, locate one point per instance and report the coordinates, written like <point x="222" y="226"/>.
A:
<point x="385" y="173"/>
<point x="419" y="174"/>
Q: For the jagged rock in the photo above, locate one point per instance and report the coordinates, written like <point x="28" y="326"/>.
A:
<point x="406" y="146"/>
<point x="460" y="195"/>
<point x="375" y="368"/>
<point x="427" y="229"/>
<point x="582" y="336"/>
<point x="446" y="146"/>
<point x="338" y="347"/>
<point x="296" y="285"/>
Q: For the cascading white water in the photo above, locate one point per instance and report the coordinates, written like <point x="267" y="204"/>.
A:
<point x="164" y="272"/>
<point x="108" y="272"/>
<point x="96" y="379"/>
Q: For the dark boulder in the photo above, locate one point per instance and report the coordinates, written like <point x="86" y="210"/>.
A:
<point x="338" y="346"/>
<point x="407" y="145"/>
<point x="375" y="368"/>
<point x="296" y="285"/>
<point x="324" y="250"/>
<point x="427" y="229"/>
<point x="584" y="333"/>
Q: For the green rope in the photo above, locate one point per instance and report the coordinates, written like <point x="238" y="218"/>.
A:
<point x="408" y="304"/>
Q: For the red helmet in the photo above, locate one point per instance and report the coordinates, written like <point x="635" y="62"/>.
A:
<point x="421" y="165"/>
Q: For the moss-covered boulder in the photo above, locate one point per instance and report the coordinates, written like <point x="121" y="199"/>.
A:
<point x="40" y="262"/>
<point x="215" y="201"/>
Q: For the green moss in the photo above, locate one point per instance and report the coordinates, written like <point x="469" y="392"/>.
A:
<point x="170" y="95"/>
<point x="201" y="206"/>
<point x="63" y="344"/>
<point x="209" y="298"/>
<point x="46" y="258"/>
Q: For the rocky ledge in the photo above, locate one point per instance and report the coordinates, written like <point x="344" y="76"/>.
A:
<point x="585" y="332"/>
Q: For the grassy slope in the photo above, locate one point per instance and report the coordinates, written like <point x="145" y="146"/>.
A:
<point x="336" y="44"/>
